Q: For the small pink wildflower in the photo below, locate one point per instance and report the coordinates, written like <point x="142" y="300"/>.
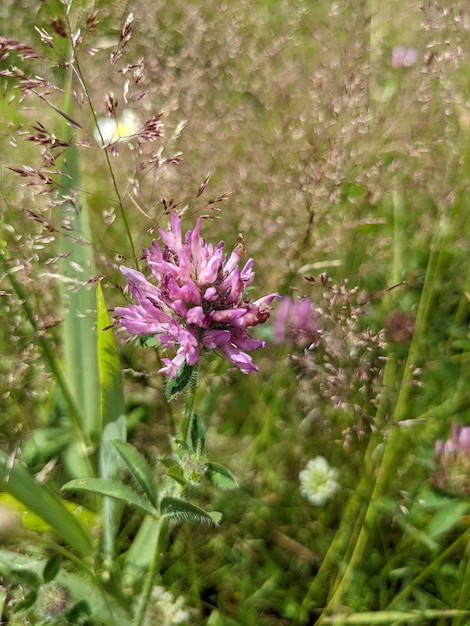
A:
<point x="452" y="459"/>
<point x="404" y="57"/>
<point x="197" y="300"/>
<point x="295" y="322"/>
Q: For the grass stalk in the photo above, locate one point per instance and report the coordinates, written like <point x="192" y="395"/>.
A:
<point x="387" y="469"/>
<point x="151" y="575"/>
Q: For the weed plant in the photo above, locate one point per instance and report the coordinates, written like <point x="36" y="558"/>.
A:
<point x="329" y="487"/>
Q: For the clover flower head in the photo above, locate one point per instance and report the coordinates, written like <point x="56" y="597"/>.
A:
<point x="318" y="481"/>
<point x="295" y="322"/>
<point x="196" y="300"/>
<point x="452" y="459"/>
<point x="166" y="610"/>
<point x="52" y="602"/>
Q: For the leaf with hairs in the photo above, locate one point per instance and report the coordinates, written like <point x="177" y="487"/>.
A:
<point x="175" y="385"/>
<point x="112" y="489"/>
<point x="139" y="469"/>
<point x="220" y="476"/>
<point x="181" y="510"/>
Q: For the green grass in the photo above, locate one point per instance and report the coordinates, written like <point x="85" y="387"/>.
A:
<point x="336" y="162"/>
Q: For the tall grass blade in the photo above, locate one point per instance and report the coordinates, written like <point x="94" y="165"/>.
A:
<point x="18" y="482"/>
<point x="112" y="418"/>
<point x="79" y="302"/>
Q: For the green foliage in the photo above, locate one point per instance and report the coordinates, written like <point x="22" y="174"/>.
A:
<point x="220" y="476"/>
<point x="16" y="480"/>
<point x="112" y="420"/>
<point x="140" y="470"/>
<point x="176" y="385"/>
<point x="111" y="489"/>
<point x="175" y="509"/>
<point x="341" y="161"/>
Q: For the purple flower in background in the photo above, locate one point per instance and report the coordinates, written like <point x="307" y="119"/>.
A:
<point x="197" y="300"/>
<point x="295" y="322"/>
<point x="404" y="57"/>
<point x="452" y="458"/>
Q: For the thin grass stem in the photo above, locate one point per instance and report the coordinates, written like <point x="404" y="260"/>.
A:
<point x="152" y="573"/>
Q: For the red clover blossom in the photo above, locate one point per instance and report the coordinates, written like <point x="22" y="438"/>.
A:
<point x="197" y="302"/>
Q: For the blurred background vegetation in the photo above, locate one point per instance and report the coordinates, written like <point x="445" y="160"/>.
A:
<point x="339" y="159"/>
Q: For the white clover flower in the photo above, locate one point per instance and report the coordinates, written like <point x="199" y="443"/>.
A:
<point x="318" y="481"/>
<point x="113" y="130"/>
<point x="164" y="609"/>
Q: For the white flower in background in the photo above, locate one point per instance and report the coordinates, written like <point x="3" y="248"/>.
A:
<point x="164" y="609"/>
<point x="117" y="129"/>
<point x="318" y="481"/>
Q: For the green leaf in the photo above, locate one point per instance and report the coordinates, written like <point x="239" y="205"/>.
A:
<point x="138" y="558"/>
<point x="27" y="602"/>
<point x="43" y="444"/>
<point x="149" y="341"/>
<point x="447" y="517"/>
<point x="181" y="510"/>
<point x="175" y="385"/>
<point x="139" y="469"/>
<point x="79" y="612"/>
<point x="197" y="433"/>
<point x="176" y="473"/>
<point x="167" y="462"/>
<point x="216" y="517"/>
<point x="17" y="481"/>
<point x="220" y="476"/>
<point x="78" y="300"/>
<point x="111" y="488"/>
<point x="112" y="417"/>
<point x="111" y="389"/>
<point x="180" y="448"/>
<point x="28" y="578"/>
<point x="111" y="468"/>
<point x="52" y="567"/>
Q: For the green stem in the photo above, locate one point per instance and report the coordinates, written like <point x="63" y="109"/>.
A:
<point x="153" y="571"/>
<point x="189" y="404"/>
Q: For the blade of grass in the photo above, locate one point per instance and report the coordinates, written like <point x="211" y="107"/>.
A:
<point x="17" y="481"/>
<point x="395" y="617"/>
<point x="79" y="304"/>
<point x="113" y="421"/>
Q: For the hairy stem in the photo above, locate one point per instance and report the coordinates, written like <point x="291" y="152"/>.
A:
<point x="189" y="404"/>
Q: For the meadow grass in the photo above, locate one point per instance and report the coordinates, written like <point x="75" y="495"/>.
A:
<point x="346" y="168"/>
